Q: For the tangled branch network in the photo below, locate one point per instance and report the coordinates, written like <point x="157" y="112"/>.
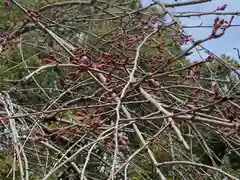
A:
<point x="102" y="90"/>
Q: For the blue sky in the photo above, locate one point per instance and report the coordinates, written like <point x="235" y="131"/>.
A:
<point x="223" y="45"/>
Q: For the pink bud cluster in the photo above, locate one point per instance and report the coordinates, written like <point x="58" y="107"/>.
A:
<point x="184" y="39"/>
<point x="220" y="24"/>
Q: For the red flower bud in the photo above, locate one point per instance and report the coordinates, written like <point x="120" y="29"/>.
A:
<point x="6" y="3"/>
<point x="33" y="13"/>
<point x="95" y="124"/>
<point x="222" y="8"/>
<point x="48" y="60"/>
<point x="216" y="20"/>
<point x="221" y="21"/>
<point x="106" y="54"/>
<point x="99" y="66"/>
<point x="153" y="68"/>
